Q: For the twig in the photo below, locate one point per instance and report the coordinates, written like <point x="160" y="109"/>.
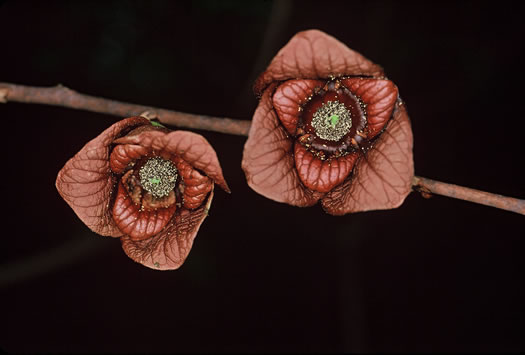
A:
<point x="62" y="96"/>
<point x="426" y="186"/>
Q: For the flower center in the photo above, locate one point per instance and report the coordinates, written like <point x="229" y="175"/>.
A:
<point x="158" y="176"/>
<point x="332" y="121"/>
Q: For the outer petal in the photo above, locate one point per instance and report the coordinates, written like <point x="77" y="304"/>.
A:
<point x="268" y="159"/>
<point x="383" y="178"/>
<point x="191" y="147"/>
<point x="313" y="54"/>
<point x="168" y="249"/>
<point x="380" y="97"/>
<point x="86" y="182"/>
<point x="321" y="175"/>
<point x="289" y="97"/>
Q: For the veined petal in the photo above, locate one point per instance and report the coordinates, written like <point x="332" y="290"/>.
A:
<point x="313" y="54"/>
<point x="136" y="223"/>
<point x="169" y="249"/>
<point x="289" y="97"/>
<point x="86" y="182"/>
<point x="123" y="154"/>
<point x="319" y="175"/>
<point x="268" y="159"/>
<point x="196" y="186"/>
<point x="379" y="96"/>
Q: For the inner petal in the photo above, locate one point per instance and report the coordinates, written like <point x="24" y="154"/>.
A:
<point x="146" y="199"/>
<point x="125" y="155"/>
<point x="195" y="186"/>
<point x="289" y="98"/>
<point x="136" y="222"/>
<point x="319" y="175"/>
<point x="379" y="96"/>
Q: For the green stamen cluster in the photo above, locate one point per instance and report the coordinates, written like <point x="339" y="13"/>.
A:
<point x="332" y="121"/>
<point x="158" y="176"/>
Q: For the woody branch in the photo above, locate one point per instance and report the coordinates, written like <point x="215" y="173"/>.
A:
<point x="62" y="96"/>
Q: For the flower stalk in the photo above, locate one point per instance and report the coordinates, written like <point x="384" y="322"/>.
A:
<point x="64" y="97"/>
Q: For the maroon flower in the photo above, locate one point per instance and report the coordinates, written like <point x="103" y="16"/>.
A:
<point x="147" y="185"/>
<point x="329" y="127"/>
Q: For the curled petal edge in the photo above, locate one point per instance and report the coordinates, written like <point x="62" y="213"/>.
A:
<point x="313" y="54"/>
<point x="86" y="182"/>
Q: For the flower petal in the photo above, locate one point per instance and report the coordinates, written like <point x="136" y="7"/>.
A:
<point x="86" y="182"/>
<point x="380" y="97"/>
<point x="320" y="175"/>
<point x="196" y="186"/>
<point x="289" y="97"/>
<point x="383" y="178"/>
<point x="191" y="147"/>
<point x="268" y="159"/>
<point x="122" y="155"/>
<point x="313" y="54"/>
<point x="135" y="223"/>
<point x="168" y="249"/>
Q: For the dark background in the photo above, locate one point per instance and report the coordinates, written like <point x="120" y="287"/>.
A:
<point x="432" y="275"/>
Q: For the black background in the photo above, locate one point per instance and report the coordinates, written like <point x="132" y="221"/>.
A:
<point x="432" y="275"/>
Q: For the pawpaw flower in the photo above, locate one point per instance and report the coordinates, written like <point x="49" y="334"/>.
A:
<point x="329" y="127"/>
<point x="145" y="184"/>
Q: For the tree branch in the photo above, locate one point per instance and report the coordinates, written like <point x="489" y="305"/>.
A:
<point x="427" y="186"/>
<point x="62" y="96"/>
